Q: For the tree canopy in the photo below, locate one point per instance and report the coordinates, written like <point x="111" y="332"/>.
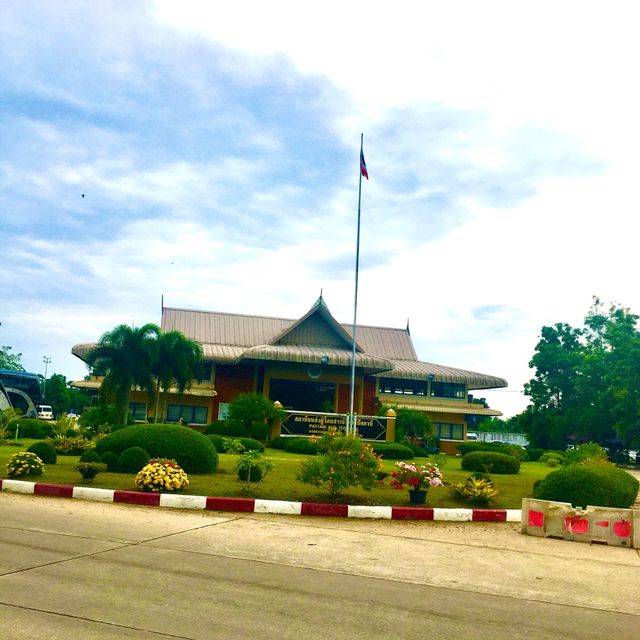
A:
<point x="586" y="385"/>
<point x="10" y="360"/>
<point x="144" y="358"/>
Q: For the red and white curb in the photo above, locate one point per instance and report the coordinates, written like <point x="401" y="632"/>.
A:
<point x="255" y="505"/>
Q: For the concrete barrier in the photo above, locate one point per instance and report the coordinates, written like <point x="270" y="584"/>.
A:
<point x="604" y="525"/>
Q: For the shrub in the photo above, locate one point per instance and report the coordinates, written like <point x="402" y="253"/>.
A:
<point x="411" y="423"/>
<point x="418" y="450"/>
<point x="251" y="466"/>
<point x="95" y="417"/>
<point x="90" y="456"/>
<point x="552" y="458"/>
<point x="304" y="446"/>
<point x="251" y="407"/>
<point x="193" y="451"/>
<point x="221" y="447"/>
<point x="131" y="460"/>
<point x="228" y="428"/>
<point x="66" y="446"/>
<point x="476" y="491"/>
<point x="44" y="451"/>
<point x="259" y="431"/>
<point x="162" y="475"/>
<point x="30" y="428"/>
<point x="393" y="451"/>
<point x="489" y="462"/>
<point x="583" y="452"/>
<point x="513" y="450"/>
<point x="23" y="464"/>
<point x="110" y="458"/>
<point x="344" y="461"/>
<point x="278" y="442"/>
<point x="89" y="470"/>
<point x="598" y="485"/>
<point x="534" y="453"/>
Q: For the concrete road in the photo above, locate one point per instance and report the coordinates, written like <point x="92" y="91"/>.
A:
<point x="74" y="569"/>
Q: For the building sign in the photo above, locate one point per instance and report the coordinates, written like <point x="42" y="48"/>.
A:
<point x="300" y="423"/>
<point x="223" y="411"/>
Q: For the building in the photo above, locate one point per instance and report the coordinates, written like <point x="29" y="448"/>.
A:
<point x="305" y="364"/>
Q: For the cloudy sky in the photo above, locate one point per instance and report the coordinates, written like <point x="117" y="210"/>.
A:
<point x="208" y="152"/>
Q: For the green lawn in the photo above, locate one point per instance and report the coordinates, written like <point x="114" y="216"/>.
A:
<point x="281" y="483"/>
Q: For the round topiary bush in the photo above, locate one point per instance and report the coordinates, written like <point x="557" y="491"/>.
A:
<point x="90" y="456"/>
<point x="44" y="451"/>
<point x="393" y="451"/>
<point x="193" y="451"/>
<point x="602" y="485"/>
<point x="218" y="442"/>
<point x="131" y="460"/>
<point x="488" y="462"/>
<point x="110" y="458"/>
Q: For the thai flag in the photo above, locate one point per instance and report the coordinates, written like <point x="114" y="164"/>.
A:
<point x="363" y="166"/>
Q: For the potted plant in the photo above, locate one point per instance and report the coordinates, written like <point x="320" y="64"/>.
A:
<point x="417" y="479"/>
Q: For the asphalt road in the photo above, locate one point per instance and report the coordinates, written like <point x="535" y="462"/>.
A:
<point x="75" y="569"/>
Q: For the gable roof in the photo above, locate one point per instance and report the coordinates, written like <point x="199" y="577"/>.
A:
<point x="389" y="352"/>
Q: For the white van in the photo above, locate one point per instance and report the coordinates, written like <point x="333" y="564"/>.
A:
<point x="45" y="412"/>
<point x="472" y="436"/>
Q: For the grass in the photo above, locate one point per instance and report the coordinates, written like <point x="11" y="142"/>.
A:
<point x="281" y="483"/>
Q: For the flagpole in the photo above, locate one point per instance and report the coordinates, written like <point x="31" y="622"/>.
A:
<point x="351" y="421"/>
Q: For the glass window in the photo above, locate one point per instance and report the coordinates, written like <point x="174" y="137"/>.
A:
<point x="449" y="431"/>
<point x="189" y="414"/>
<point x="138" y="411"/>
<point x="448" y="390"/>
<point x="402" y="387"/>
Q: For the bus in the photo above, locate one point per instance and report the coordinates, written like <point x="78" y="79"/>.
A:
<point x="20" y="390"/>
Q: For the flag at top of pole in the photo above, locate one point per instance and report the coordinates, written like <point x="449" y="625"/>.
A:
<point x="363" y="165"/>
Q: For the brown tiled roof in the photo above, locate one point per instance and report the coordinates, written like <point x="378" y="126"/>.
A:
<point x="231" y="338"/>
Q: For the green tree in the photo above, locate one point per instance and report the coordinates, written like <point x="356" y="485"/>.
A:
<point x="125" y="357"/>
<point x="251" y="407"/>
<point x="587" y="382"/>
<point x="10" y="360"/>
<point x="178" y="364"/>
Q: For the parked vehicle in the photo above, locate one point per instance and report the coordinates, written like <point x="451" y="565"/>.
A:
<point x="45" y="412"/>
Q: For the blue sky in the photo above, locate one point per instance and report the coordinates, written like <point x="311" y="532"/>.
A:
<point x="217" y="151"/>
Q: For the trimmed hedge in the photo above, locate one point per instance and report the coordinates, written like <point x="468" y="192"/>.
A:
<point x="304" y="446"/>
<point x="237" y="429"/>
<point x="499" y="447"/>
<point x="192" y="450"/>
<point x="45" y="451"/>
<point x="31" y="428"/>
<point x="392" y="451"/>
<point x="90" y="456"/>
<point x="249" y="443"/>
<point x="489" y="462"/>
<point x="110" y="458"/>
<point x="601" y="485"/>
<point x="131" y="460"/>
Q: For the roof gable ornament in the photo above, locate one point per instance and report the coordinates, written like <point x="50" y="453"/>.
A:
<point x="316" y="328"/>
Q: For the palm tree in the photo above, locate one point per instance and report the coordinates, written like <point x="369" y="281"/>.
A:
<point x="179" y="363"/>
<point x="126" y="356"/>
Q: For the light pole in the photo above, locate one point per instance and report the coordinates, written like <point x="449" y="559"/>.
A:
<point x="46" y="360"/>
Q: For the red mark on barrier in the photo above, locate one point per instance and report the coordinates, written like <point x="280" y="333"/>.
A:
<point x="603" y="523"/>
<point x="622" y="529"/>
<point x="536" y="519"/>
<point x="576" y="524"/>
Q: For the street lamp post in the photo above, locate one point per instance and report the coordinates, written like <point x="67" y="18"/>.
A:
<point x="46" y="360"/>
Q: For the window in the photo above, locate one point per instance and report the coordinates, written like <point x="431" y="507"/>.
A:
<point x="402" y="387"/>
<point x="138" y="411"/>
<point x="188" y="413"/>
<point x="205" y="374"/>
<point x="448" y="390"/>
<point x="448" y="431"/>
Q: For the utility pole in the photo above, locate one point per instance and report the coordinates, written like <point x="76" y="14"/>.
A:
<point x="46" y="360"/>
